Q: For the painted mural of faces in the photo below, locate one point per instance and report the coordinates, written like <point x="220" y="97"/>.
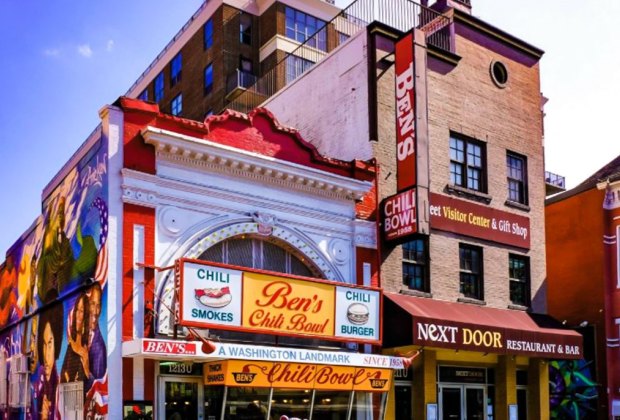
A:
<point x="34" y="356"/>
<point x="80" y="317"/>
<point x="49" y="338"/>
<point x="95" y="307"/>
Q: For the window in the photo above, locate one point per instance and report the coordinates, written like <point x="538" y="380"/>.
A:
<point x="175" y="70"/>
<point x="295" y="67"/>
<point x="517" y="178"/>
<point x="470" y="261"/>
<point x="208" y="79"/>
<point x="415" y="271"/>
<point x="71" y="400"/>
<point x="259" y="253"/>
<point x="159" y="87"/>
<point x="342" y="38"/>
<point x="467" y="164"/>
<point x="245" y="64"/>
<point x="245" y="29"/>
<point x="208" y="40"/>
<point x="19" y="385"/>
<point x="519" y="274"/>
<point x="300" y="27"/>
<point x="144" y="96"/>
<point x="176" y="106"/>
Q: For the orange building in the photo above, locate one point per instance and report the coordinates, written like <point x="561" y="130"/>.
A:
<point x="582" y="226"/>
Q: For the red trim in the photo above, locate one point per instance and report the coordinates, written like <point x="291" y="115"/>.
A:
<point x="127" y="378"/>
<point x="149" y="379"/>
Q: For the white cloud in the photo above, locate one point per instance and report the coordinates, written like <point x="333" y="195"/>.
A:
<point x="85" y="50"/>
<point x="110" y="45"/>
<point x="51" y="52"/>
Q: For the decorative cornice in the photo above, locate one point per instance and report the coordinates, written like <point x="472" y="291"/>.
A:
<point x="186" y="150"/>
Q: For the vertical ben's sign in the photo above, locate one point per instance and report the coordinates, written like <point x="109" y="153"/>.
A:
<point x="405" y="114"/>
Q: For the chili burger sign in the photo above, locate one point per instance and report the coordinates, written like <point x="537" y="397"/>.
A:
<point x="219" y="296"/>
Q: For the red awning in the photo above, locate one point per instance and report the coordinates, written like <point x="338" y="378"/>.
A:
<point x="478" y="328"/>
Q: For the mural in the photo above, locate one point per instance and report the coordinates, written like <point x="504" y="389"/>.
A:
<point x="52" y="303"/>
<point x="572" y="393"/>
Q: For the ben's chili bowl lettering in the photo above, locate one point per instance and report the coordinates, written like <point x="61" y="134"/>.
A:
<point x="276" y="302"/>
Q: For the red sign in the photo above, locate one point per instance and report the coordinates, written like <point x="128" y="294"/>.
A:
<point x="465" y="218"/>
<point x="405" y="114"/>
<point x="399" y="215"/>
<point x="168" y="347"/>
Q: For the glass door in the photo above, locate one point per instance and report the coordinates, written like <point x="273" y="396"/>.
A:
<point x="451" y="402"/>
<point x="180" y="398"/>
<point x="403" y="402"/>
<point x="474" y="403"/>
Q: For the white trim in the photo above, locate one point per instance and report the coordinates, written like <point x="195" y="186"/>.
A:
<point x="112" y="135"/>
<point x="138" y="379"/>
<point x="171" y="146"/>
<point x="290" y="46"/>
<point x="224" y="351"/>
<point x="138" y="281"/>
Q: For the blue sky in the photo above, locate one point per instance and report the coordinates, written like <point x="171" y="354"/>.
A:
<point x="64" y="60"/>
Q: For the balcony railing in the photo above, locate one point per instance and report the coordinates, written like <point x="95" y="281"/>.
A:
<point x="238" y="81"/>
<point x="554" y="183"/>
<point x="402" y="15"/>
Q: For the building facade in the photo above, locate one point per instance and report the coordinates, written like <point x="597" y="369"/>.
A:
<point x="211" y="270"/>
<point x="457" y="134"/>
<point x="591" y="270"/>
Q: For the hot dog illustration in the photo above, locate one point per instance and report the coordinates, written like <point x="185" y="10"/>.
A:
<point x="214" y="297"/>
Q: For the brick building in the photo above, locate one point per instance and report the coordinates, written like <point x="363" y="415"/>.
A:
<point x="582" y="251"/>
<point x="477" y="262"/>
<point x="227" y="45"/>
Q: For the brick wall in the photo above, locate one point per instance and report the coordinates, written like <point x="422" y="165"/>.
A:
<point x="465" y="100"/>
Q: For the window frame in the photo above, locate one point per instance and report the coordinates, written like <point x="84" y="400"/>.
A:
<point x="176" y="68"/>
<point x="525" y="282"/>
<point x="417" y="262"/>
<point x="297" y="26"/>
<point x="295" y="66"/>
<point x="177" y="102"/>
<point x="144" y="95"/>
<point x="208" y="88"/>
<point x="158" y="87"/>
<point x="467" y="162"/>
<point x="208" y="34"/>
<point x="522" y="183"/>
<point x="245" y="32"/>
<point x="467" y="275"/>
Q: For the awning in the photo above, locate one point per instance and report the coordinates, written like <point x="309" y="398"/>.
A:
<point x="463" y="326"/>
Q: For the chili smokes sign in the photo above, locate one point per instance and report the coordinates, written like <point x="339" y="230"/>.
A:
<point x="405" y="114"/>
<point x="465" y="218"/>
<point x="216" y="296"/>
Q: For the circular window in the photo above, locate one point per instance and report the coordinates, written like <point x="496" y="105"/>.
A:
<point x="499" y="73"/>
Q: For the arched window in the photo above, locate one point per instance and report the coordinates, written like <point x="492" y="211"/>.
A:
<point x="265" y="254"/>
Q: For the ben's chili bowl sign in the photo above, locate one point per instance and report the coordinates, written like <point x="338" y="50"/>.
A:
<point x="296" y="375"/>
<point x="399" y="215"/>
<point x="213" y="296"/>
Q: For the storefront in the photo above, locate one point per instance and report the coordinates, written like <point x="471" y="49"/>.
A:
<point x="238" y="381"/>
<point x="201" y="378"/>
<point x="474" y="362"/>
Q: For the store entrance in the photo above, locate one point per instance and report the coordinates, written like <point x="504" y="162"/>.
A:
<point x="461" y="402"/>
<point x="180" y="398"/>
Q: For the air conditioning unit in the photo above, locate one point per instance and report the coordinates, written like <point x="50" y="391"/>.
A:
<point x="19" y="364"/>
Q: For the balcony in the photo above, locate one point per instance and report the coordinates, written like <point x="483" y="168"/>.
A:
<point x="238" y="82"/>
<point x="554" y="183"/>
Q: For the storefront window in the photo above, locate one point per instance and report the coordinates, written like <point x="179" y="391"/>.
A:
<point x="292" y="403"/>
<point x="213" y="402"/>
<point x="247" y="403"/>
<point x="333" y="405"/>
<point x="368" y="405"/>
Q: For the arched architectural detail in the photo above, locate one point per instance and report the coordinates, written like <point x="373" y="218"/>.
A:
<point x="202" y="237"/>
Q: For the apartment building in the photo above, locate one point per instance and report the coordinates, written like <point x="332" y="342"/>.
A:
<point x="227" y="45"/>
